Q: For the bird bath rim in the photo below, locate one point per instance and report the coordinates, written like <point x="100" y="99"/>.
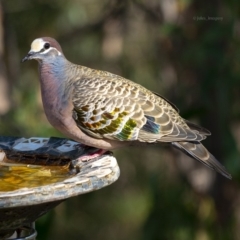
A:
<point x="93" y="175"/>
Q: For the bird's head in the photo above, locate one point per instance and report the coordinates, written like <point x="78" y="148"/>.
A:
<point x="43" y="48"/>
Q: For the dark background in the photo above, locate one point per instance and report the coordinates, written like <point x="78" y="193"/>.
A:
<point x="186" y="50"/>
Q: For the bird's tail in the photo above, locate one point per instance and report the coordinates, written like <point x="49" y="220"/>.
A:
<point x="197" y="151"/>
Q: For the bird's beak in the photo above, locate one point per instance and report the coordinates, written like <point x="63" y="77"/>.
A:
<point x="28" y="56"/>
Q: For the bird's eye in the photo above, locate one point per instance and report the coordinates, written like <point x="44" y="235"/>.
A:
<point x="46" y="46"/>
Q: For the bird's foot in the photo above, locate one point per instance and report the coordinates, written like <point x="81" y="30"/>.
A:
<point x="76" y="164"/>
<point x="89" y="157"/>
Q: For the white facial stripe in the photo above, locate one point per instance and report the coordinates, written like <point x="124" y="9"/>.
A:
<point x="47" y="50"/>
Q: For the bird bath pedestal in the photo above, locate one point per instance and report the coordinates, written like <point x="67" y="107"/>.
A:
<point x="37" y="174"/>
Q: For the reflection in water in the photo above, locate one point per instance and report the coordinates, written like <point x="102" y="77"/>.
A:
<point x="14" y="176"/>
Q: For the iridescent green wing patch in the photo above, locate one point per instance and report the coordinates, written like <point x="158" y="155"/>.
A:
<point x="127" y="131"/>
<point x="113" y="124"/>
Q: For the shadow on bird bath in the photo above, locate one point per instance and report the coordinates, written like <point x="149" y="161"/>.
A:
<point x="37" y="174"/>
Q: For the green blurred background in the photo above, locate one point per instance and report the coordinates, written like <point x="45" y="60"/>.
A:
<point x="186" y="50"/>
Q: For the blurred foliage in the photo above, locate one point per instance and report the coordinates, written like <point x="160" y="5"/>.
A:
<point x="171" y="47"/>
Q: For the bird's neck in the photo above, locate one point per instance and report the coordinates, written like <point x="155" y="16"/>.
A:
<point x="53" y="75"/>
<point x="55" y="87"/>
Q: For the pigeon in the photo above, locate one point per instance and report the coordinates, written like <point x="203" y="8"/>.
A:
<point x="106" y="111"/>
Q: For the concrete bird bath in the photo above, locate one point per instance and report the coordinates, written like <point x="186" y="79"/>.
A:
<point x="36" y="174"/>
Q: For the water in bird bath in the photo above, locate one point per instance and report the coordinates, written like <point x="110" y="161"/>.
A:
<point x="16" y="176"/>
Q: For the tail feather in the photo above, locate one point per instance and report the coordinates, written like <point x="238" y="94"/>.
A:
<point x="197" y="151"/>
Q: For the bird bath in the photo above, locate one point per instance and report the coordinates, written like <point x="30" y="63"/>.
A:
<point x="36" y="174"/>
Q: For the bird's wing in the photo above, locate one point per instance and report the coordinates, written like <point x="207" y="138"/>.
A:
<point x="172" y="104"/>
<point x="115" y="108"/>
